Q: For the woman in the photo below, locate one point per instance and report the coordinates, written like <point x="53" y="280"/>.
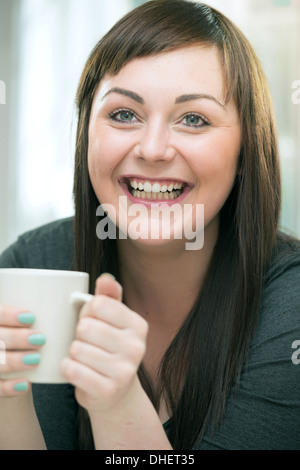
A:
<point x="186" y="349"/>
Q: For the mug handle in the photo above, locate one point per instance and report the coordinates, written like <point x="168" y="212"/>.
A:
<point x="80" y="298"/>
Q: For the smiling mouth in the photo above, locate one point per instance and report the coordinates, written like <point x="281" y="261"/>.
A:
<point x="155" y="190"/>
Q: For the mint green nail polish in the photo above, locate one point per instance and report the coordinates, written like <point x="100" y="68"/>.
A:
<point x="20" y="387"/>
<point x="31" y="359"/>
<point x="108" y="274"/>
<point x="26" y="318"/>
<point x="37" y="339"/>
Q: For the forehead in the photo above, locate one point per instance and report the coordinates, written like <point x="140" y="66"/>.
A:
<point x="189" y="69"/>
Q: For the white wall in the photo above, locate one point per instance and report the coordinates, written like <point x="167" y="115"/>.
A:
<point x="8" y="77"/>
<point x="43" y="47"/>
<point x="41" y="66"/>
<point x="273" y="28"/>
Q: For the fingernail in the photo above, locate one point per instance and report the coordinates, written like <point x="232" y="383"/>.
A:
<point x="31" y="359"/>
<point x="26" y="318"/>
<point x="20" y="387"/>
<point x="37" y="339"/>
<point x="108" y="274"/>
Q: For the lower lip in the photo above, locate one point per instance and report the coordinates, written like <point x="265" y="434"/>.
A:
<point x="156" y="203"/>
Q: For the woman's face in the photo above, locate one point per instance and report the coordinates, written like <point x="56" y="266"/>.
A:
<point x="161" y="133"/>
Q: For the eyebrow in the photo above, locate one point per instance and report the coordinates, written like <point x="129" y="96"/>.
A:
<point x="180" y="99"/>
<point x="122" y="91"/>
<point x="200" y="96"/>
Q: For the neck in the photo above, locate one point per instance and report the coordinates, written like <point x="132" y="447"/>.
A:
<point x="162" y="283"/>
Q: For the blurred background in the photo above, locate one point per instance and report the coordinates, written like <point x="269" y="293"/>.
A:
<point x="43" y="47"/>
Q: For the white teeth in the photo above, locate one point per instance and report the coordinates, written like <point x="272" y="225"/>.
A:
<point x="156" y="191"/>
<point x="147" y="187"/>
<point x="156" y="188"/>
<point x="154" y="196"/>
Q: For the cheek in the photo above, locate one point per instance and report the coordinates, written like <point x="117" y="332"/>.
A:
<point x="102" y="155"/>
<point x="99" y="165"/>
<point x="217" y="158"/>
<point x="216" y="168"/>
<point x="107" y="148"/>
<point x="94" y="159"/>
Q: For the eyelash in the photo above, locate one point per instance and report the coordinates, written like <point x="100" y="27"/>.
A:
<point x="113" y="117"/>
<point x="205" y="122"/>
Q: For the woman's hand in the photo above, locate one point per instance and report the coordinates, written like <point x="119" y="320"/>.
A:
<point x="19" y="345"/>
<point x="109" y="347"/>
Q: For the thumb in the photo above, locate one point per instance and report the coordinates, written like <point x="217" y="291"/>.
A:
<point x="106" y="284"/>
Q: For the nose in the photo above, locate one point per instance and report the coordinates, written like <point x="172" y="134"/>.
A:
<point x="154" y="143"/>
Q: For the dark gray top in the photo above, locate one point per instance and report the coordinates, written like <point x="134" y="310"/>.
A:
<point x="263" y="413"/>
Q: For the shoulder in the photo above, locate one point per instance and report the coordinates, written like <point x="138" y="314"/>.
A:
<point x="262" y="411"/>
<point x="58" y="232"/>
<point x="272" y="353"/>
<point x="281" y="291"/>
<point x="286" y="257"/>
<point x="49" y="246"/>
<point x="280" y="305"/>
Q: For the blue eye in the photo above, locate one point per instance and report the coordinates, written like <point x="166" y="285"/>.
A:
<point x="194" y="120"/>
<point x="122" y="115"/>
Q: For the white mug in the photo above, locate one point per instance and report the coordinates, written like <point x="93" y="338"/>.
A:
<point x="55" y="298"/>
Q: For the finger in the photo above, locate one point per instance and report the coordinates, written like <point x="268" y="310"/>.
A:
<point x="98" y="333"/>
<point x="21" y="338"/>
<point x="14" y="316"/>
<point x="18" y="361"/>
<point x="118" y="366"/>
<point x="110" y="339"/>
<point x="106" y="284"/>
<point x="115" y="313"/>
<point x="86" y="379"/>
<point x="92" y="356"/>
<point x="16" y="387"/>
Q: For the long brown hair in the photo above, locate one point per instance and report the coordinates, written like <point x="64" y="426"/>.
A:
<point x="210" y="348"/>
